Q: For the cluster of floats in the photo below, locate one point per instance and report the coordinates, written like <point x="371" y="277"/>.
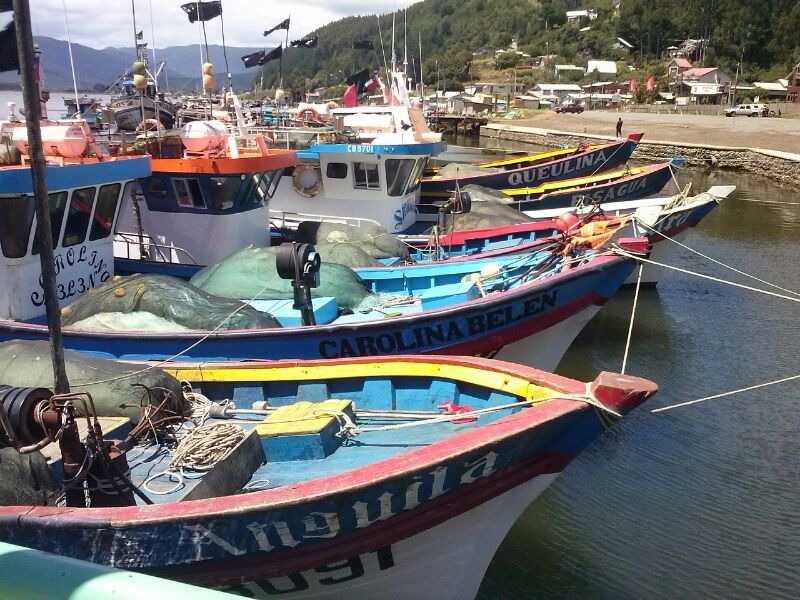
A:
<point x="367" y="332"/>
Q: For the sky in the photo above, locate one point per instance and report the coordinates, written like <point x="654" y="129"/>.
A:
<point x="103" y="23"/>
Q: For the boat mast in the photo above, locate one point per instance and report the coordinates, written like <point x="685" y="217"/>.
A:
<point x="33" y="115"/>
<point x="71" y="59"/>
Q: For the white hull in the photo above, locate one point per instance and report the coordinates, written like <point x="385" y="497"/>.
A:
<point x="446" y="562"/>
<point x="545" y="349"/>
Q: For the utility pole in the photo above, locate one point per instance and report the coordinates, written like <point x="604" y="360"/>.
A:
<point x="33" y="115"/>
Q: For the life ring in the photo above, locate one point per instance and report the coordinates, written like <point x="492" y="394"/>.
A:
<point x="307" y="180"/>
<point x="309" y="114"/>
<point x="150" y="125"/>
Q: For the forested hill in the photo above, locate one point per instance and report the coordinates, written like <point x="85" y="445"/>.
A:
<point x="765" y="32"/>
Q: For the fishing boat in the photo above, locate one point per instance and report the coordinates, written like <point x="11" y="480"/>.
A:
<point x="85" y="189"/>
<point x="616" y="185"/>
<point x="206" y="198"/>
<point x="580" y="161"/>
<point x="329" y="478"/>
<point x="527" y="307"/>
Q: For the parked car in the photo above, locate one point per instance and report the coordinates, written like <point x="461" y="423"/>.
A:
<point x="569" y="108"/>
<point x="748" y="110"/>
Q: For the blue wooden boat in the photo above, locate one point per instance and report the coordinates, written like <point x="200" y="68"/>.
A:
<point x="354" y="478"/>
<point x="581" y="162"/>
<point x="527" y="307"/>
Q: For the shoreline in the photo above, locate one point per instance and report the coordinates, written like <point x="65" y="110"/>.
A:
<point x="780" y="166"/>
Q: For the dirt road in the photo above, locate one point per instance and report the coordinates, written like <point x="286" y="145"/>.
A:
<point x="772" y="133"/>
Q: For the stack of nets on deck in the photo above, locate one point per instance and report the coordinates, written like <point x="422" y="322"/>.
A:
<point x="160" y="303"/>
<point x="352" y="246"/>
<point x="490" y="208"/>
<point x="251" y="274"/>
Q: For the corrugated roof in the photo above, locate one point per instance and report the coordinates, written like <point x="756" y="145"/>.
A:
<point x="770" y="87"/>
<point x="683" y="63"/>
<point x="699" y="71"/>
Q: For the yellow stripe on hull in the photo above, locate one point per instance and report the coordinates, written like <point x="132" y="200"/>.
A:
<point x="501" y="382"/>
<point x="573" y="183"/>
<point x="538" y="156"/>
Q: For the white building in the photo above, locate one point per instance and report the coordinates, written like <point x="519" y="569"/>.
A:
<point x="602" y="67"/>
<point x="555" y="92"/>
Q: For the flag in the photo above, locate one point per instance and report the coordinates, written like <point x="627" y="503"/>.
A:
<point x="262" y="57"/>
<point x="9" y="60"/>
<point x="363" y="45"/>
<point x="282" y="25"/>
<point x="140" y="35"/>
<point x="311" y="42"/>
<point x="651" y="83"/>
<point x="359" y="79"/>
<point x="350" y="97"/>
<point x="632" y="86"/>
<point x="202" y="11"/>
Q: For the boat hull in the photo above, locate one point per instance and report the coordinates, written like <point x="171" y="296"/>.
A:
<point x="584" y="163"/>
<point x="129" y="117"/>
<point x="479" y="326"/>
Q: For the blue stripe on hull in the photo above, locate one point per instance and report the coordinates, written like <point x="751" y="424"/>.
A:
<point x="17" y="180"/>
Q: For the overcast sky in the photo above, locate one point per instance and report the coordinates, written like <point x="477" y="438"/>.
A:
<point x="102" y="23"/>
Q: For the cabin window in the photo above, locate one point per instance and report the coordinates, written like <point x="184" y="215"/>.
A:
<point x="398" y="171"/>
<point x="266" y="183"/>
<point x="16" y="217"/>
<point x="106" y="210"/>
<point x="336" y="170"/>
<point x="58" y="204"/>
<point x="80" y="211"/>
<point x="366" y="176"/>
<point x="188" y="193"/>
<point x="224" y="191"/>
<point x="157" y="186"/>
<point x="416" y="176"/>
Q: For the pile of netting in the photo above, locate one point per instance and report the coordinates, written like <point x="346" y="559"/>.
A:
<point x="160" y="303"/>
<point x="147" y="398"/>
<point x="251" y="273"/>
<point x="490" y="208"/>
<point x="352" y="246"/>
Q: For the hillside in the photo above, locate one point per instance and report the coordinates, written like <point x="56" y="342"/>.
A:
<point x="763" y="34"/>
<point x="99" y="68"/>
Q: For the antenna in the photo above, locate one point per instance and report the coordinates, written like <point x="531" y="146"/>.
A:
<point x="153" y="40"/>
<point x="71" y="59"/>
<point x="405" y="42"/>
<point x="393" y="54"/>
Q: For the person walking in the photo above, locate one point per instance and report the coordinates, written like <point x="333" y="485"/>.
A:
<point x="619" y="127"/>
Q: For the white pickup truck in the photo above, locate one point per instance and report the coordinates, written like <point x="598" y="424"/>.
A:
<point x="747" y="110"/>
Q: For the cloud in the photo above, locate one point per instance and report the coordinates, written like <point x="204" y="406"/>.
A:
<point x="103" y="23"/>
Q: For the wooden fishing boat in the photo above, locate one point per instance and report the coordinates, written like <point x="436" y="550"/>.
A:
<point x="527" y="307"/>
<point x="349" y="477"/>
<point x="582" y="161"/>
<point x="616" y="185"/>
<point x="86" y="188"/>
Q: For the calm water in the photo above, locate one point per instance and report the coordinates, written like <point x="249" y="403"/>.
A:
<point x="55" y="106"/>
<point x="703" y="500"/>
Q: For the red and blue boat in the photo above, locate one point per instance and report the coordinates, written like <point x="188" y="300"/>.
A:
<point x="382" y="460"/>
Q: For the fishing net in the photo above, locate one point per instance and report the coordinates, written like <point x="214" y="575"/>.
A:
<point x="27" y="364"/>
<point x="25" y="479"/>
<point x="251" y="273"/>
<point x="490" y="208"/>
<point x="134" y="321"/>
<point x="371" y="238"/>
<point x="168" y="298"/>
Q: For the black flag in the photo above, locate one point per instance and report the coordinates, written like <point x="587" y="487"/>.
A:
<point x="363" y="45"/>
<point x="359" y="80"/>
<point x="282" y="25"/>
<point x="140" y="35"/>
<point x="202" y="11"/>
<point x="311" y="42"/>
<point x="9" y="61"/>
<point x="256" y="59"/>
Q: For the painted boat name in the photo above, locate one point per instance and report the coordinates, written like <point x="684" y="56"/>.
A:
<point x="557" y="169"/>
<point x="434" y="336"/>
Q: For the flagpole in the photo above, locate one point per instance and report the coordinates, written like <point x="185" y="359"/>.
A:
<point x="33" y="114"/>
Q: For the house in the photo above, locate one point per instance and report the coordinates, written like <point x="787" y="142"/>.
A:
<point x="676" y="67"/>
<point x="602" y="67"/>
<point x="705" y="75"/>
<point x="622" y="44"/>
<point x="566" y="69"/>
<point x="793" y="84"/>
<point x="525" y="101"/>
<point x="771" y="91"/>
<point x="555" y="92"/>
<point x="492" y="88"/>
<point x="576" y="17"/>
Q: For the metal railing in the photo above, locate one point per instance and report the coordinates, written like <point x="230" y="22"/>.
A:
<point x="279" y="218"/>
<point x="147" y="249"/>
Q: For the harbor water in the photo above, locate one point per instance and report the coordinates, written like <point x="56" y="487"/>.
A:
<point x="699" y="501"/>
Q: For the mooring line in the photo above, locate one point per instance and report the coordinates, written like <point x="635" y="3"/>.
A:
<point x="704" y="276"/>
<point x="725" y="394"/>
<point x="633" y="316"/>
<point x="714" y="260"/>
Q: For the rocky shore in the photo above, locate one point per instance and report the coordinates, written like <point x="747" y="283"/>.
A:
<point x="781" y="167"/>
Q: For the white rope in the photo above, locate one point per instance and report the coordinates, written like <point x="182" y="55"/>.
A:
<point x="714" y="260"/>
<point x="622" y="252"/>
<point x="726" y="394"/>
<point x="633" y="316"/>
